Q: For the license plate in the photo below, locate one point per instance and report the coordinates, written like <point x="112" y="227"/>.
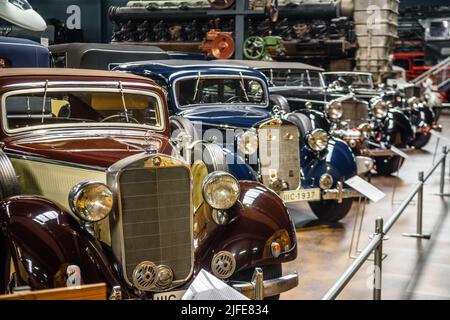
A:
<point x="301" y="195"/>
<point x="170" y="295"/>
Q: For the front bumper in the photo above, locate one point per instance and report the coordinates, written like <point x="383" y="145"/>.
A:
<point x="259" y="289"/>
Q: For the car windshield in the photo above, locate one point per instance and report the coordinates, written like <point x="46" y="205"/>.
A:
<point x="297" y="78"/>
<point x="219" y="90"/>
<point x="37" y="108"/>
<point x="356" y="80"/>
<point x="22" y="4"/>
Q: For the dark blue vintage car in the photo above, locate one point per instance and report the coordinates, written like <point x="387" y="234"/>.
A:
<point x="22" y="53"/>
<point x="229" y="105"/>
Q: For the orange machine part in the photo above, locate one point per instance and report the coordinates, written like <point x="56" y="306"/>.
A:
<point x="219" y="45"/>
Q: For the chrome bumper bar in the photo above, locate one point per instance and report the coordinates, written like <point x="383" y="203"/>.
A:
<point x="259" y="289"/>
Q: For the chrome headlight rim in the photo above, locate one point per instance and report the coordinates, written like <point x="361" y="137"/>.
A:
<point x="316" y="136"/>
<point x="379" y="109"/>
<point x="77" y="191"/>
<point x="252" y="137"/>
<point x="217" y="177"/>
<point x="334" y="110"/>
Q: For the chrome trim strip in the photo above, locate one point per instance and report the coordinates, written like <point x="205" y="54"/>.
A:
<point x="116" y="221"/>
<point x="52" y="161"/>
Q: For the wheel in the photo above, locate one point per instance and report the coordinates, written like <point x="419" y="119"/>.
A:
<point x="280" y="101"/>
<point x="386" y="166"/>
<point x="269" y="272"/>
<point x="420" y="140"/>
<point x="331" y="210"/>
<point x="302" y="121"/>
<point x="221" y="4"/>
<point x="254" y="48"/>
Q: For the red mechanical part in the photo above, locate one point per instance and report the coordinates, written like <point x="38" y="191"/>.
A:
<point x="272" y="10"/>
<point x="219" y="45"/>
<point x="221" y="4"/>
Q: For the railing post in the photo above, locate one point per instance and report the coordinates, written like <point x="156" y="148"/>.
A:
<point x="378" y="260"/>
<point x="419" y="233"/>
<point x="442" y="182"/>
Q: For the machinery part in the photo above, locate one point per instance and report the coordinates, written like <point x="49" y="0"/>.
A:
<point x="9" y="184"/>
<point x="331" y="210"/>
<point x="272" y="10"/>
<point x="254" y="48"/>
<point x="221" y="4"/>
<point x="145" y="275"/>
<point x="257" y="48"/>
<point x="218" y="44"/>
<point x="180" y="126"/>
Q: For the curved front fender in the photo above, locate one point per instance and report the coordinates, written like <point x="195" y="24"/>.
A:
<point x="337" y="160"/>
<point x="255" y="219"/>
<point x="318" y="119"/>
<point x="397" y="126"/>
<point x="44" y="240"/>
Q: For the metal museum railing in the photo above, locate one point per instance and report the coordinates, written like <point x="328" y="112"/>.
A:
<point x="381" y="229"/>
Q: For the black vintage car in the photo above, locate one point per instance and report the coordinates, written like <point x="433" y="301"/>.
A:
<point x="369" y="127"/>
<point x="402" y="98"/>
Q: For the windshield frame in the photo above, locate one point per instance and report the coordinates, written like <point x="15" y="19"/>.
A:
<point x="372" y="86"/>
<point x="220" y="76"/>
<point x="290" y="70"/>
<point x="87" y="125"/>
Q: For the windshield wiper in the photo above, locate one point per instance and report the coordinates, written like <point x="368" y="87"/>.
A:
<point x="243" y="87"/>
<point x="123" y="102"/>
<point x="43" y="101"/>
<point x="197" y="84"/>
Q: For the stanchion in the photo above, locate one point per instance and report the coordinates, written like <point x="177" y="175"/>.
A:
<point x="419" y="233"/>
<point x="378" y="260"/>
<point x="442" y="182"/>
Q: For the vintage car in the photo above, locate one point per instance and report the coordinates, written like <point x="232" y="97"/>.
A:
<point x="229" y="105"/>
<point x="368" y="130"/>
<point x="93" y="190"/>
<point x="22" y="53"/>
<point x="400" y="98"/>
<point x="103" y="56"/>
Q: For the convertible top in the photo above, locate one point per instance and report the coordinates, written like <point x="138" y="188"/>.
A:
<point x="103" y="56"/>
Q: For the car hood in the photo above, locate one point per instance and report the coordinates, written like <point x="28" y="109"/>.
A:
<point x="86" y="148"/>
<point x="234" y="116"/>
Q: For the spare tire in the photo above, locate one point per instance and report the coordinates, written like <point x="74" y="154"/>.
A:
<point x="302" y="121"/>
<point x="212" y="155"/>
<point x="282" y="102"/>
<point x="9" y="184"/>
<point x="180" y="125"/>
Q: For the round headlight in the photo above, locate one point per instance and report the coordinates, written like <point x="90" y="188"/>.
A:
<point x="334" y="110"/>
<point x="379" y="109"/>
<point x="318" y="140"/>
<point x="220" y="190"/>
<point x="91" y="201"/>
<point x="248" y="143"/>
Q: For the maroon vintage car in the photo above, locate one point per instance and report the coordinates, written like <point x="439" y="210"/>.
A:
<point x="93" y="190"/>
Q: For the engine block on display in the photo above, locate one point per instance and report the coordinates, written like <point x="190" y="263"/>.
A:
<point x="188" y="23"/>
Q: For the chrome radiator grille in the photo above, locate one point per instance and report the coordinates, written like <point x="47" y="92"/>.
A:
<point x="354" y="113"/>
<point x="155" y="208"/>
<point x="279" y="153"/>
